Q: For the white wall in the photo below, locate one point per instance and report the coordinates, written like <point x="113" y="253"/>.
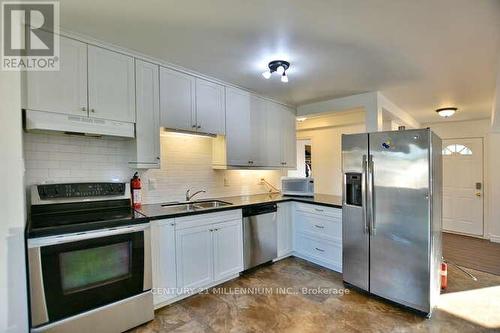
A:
<point x="481" y="129"/>
<point x="13" y="292"/>
<point x="374" y="105"/>
<point x="326" y="150"/>
<point x="186" y="163"/>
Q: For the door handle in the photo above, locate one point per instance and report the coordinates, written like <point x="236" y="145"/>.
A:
<point x="363" y="195"/>
<point x="371" y="195"/>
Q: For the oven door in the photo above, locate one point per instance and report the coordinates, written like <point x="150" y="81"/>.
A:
<point x="75" y="273"/>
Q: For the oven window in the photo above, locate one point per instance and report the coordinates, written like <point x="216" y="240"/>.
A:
<point x="89" y="273"/>
<point x="98" y="266"/>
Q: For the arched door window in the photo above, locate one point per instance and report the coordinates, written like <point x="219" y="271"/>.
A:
<point x="456" y="149"/>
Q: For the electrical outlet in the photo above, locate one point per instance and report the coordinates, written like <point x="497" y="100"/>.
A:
<point x="152" y="184"/>
<point x="226" y="181"/>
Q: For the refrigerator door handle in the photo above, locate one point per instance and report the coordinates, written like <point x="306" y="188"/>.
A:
<point x="371" y="196"/>
<point x="363" y="195"/>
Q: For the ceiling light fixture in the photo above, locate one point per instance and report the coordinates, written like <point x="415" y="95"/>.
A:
<point x="446" y="112"/>
<point x="278" y="66"/>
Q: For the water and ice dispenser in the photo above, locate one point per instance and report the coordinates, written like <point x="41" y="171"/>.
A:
<point x="353" y="190"/>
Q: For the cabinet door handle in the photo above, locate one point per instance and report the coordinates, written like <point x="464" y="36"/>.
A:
<point x="199" y="126"/>
<point x="84" y="109"/>
<point x="194" y="126"/>
<point x="92" y="110"/>
<point x="172" y="224"/>
<point x="318" y="210"/>
<point x="157" y="157"/>
<point x="318" y="249"/>
<point x="319" y="226"/>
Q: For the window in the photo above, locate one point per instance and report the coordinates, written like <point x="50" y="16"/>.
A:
<point x="457" y="149"/>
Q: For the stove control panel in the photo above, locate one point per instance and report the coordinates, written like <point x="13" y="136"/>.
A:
<point x="80" y="190"/>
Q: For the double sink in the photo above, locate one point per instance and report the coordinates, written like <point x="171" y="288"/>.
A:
<point x="181" y="207"/>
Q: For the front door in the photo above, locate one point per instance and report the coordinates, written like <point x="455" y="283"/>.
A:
<point x="463" y="186"/>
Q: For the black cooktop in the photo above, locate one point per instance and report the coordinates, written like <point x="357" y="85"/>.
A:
<point x="56" y="219"/>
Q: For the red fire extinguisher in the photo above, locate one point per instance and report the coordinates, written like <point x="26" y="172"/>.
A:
<point x="444" y="275"/>
<point x="135" y="188"/>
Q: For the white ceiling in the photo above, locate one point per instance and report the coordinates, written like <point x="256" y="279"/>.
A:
<point x="421" y="54"/>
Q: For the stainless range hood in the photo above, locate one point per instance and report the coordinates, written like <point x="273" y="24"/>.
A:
<point x="40" y="121"/>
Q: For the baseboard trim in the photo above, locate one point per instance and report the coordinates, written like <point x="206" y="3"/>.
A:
<point x="186" y="295"/>
<point x="495" y="238"/>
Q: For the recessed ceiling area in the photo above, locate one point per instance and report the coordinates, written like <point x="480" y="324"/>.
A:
<point x="420" y="54"/>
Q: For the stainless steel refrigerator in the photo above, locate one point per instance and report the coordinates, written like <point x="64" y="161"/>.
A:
<point x="391" y="215"/>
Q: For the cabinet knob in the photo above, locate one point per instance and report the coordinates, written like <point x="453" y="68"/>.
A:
<point x="84" y="109"/>
<point x="158" y="157"/>
<point x="92" y="110"/>
<point x="194" y="126"/>
<point x="172" y="224"/>
<point x="199" y="126"/>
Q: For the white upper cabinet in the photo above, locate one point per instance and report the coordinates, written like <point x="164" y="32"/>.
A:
<point x="210" y="107"/>
<point x="259" y="133"/>
<point x="289" y="138"/>
<point x="177" y="100"/>
<point x="274" y="134"/>
<point x="258" y="129"/>
<point x="147" y="127"/>
<point x="238" y="128"/>
<point x="63" y="91"/>
<point x="111" y="85"/>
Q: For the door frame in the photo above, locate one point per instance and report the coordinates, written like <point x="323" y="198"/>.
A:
<point x="485" y="234"/>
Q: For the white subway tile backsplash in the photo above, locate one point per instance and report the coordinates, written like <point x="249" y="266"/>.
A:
<point x="185" y="163"/>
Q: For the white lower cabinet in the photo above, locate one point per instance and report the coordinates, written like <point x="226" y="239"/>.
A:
<point x="194" y="257"/>
<point x="227" y="249"/>
<point x="163" y="258"/>
<point x="284" y="229"/>
<point x="318" y="235"/>
<point x="195" y="252"/>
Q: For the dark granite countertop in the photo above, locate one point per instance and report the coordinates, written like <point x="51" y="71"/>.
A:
<point x="156" y="211"/>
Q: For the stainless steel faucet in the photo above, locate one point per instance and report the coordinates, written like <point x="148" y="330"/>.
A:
<point x="189" y="197"/>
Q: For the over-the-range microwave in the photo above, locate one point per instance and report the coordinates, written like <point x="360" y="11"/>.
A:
<point x="299" y="186"/>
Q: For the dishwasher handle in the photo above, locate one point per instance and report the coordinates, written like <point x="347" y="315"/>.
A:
<point x="259" y="209"/>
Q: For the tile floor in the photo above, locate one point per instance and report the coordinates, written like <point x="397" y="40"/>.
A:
<point x="468" y="306"/>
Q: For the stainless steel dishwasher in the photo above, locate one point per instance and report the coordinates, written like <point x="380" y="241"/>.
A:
<point x="259" y="234"/>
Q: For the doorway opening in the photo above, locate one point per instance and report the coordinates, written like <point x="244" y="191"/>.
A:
<point x="304" y="159"/>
